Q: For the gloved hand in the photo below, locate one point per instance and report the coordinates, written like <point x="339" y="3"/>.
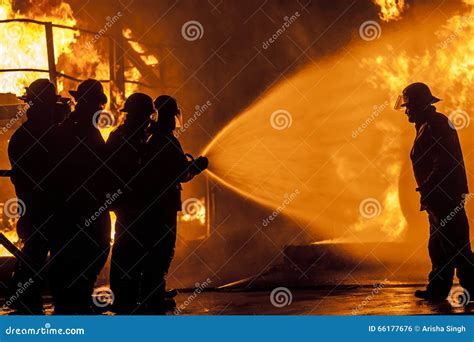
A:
<point x="199" y="165"/>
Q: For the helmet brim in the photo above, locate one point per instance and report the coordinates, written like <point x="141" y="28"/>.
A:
<point x="401" y="103"/>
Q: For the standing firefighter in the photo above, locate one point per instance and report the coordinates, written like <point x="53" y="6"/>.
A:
<point x="28" y="152"/>
<point x="441" y="176"/>
<point x="81" y="240"/>
<point x="165" y="168"/>
<point x="126" y="146"/>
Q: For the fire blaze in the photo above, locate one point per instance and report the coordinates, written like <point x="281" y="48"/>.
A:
<point x="23" y="46"/>
<point x="391" y="9"/>
<point x="355" y="187"/>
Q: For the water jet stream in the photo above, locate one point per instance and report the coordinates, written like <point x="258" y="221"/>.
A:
<point x="300" y="137"/>
<point x="329" y="131"/>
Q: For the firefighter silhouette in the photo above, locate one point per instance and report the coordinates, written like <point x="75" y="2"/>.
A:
<point x="441" y="177"/>
<point x="28" y="151"/>
<point x="79" y="184"/>
<point x="126" y="146"/>
<point x="166" y="166"/>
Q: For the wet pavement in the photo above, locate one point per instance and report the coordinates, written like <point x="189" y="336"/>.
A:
<point x="398" y="300"/>
<point x="346" y="301"/>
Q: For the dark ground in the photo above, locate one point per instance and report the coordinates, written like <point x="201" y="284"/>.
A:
<point x="398" y="300"/>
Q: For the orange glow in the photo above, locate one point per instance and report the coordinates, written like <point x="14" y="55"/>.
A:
<point x="390" y="9"/>
<point x="448" y="67"/>
<point x="23" y="45"/>
<point x="296" y="139"/>
<point x="113" y="220"/>
<point x="13" y="237"/>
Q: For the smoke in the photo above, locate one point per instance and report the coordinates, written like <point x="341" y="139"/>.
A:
<point x="318" y="55"/>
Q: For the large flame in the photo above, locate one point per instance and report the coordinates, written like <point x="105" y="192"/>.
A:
<point x="445" y="61"/>
<point x="390" y="9"/>
<point x="23" y="45"/>
<point x="447" y="67"/>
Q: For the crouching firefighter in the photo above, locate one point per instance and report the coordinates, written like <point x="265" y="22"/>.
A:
<point x="167" y="166"/>
<point x="442" y="183"/>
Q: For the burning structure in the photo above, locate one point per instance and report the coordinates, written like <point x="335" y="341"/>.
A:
<point x="47" y="40"/>
<point x="316" y="122"/>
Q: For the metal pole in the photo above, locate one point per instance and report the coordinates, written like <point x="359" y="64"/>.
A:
<point x="119" y="57"/>
<point x="112" y="72"/>
<point x="208" y="208"/>
<point x="50" y="47"/>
